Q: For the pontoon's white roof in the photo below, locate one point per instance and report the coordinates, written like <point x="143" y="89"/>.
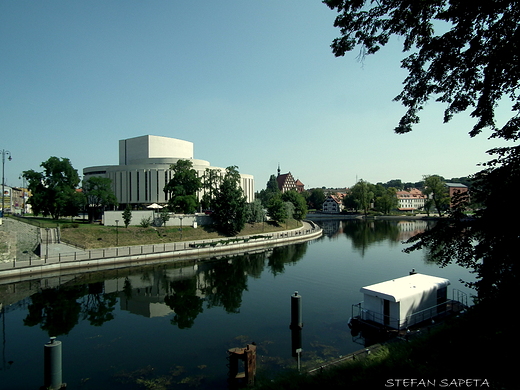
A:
<point x="396" y="289"/>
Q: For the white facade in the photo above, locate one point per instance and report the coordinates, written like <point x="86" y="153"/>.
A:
<point x="332" y="205"/>
<point x="410" y="200"/>
<point x="150" y="148"/>
<point x="144" y="169"/>
<point x="405" y="301"/>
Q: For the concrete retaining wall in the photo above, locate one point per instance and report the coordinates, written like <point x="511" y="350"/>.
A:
<point x="193" y="220"/>
<point x="111" y="258"/>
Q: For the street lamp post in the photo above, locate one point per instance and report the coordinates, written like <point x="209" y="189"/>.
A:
<point x="117" y="232"/>
<point x="4" y="153"/>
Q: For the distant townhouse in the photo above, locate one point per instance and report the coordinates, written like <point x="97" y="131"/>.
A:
<point x="410" y="200"/>
<point x="454" y="189"/>
<point x="332" y="205"/>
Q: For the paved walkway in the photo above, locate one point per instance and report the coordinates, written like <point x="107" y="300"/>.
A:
<point x="59" y="257"/>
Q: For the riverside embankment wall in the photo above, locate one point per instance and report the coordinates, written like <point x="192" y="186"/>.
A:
<point x="120" y="257"/>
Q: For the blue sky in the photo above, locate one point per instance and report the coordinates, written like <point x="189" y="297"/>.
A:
<point x="250" y="83"/>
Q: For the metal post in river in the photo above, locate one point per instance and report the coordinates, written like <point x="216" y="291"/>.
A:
<point x="296" y="326"/>
<point x="52" y="365"/>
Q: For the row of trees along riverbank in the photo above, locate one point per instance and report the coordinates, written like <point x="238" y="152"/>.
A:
<point x="56" y="193"/>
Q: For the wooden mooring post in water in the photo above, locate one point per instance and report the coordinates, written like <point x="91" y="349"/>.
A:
<point x="246" y="355"/>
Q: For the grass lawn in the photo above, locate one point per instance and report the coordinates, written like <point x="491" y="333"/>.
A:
<point x="90" y="236"/>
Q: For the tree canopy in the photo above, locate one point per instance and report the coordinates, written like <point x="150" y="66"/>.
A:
<point x="471" y="64"/>
<point x="464" y="55"/>
<point x="385" y="199"/>
<point x="436" y="191"/>
<point x="127" y="215"/>
<point x="271" y="190"/>
<point x="230" y="206"/>
<point x="183" y="187"/>
<point x="276" y="209"/>
<point x="316" y="198"/>
<point x="299" y="203"/>
<point x="98" y="195"/>
<point x="54" y="190"/>
<point x="363" y="195"/>
<point x="210" y="185"/>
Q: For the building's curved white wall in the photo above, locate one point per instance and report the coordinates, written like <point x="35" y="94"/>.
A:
<point x="134" y="150"/>
<point x="144" y="169"/>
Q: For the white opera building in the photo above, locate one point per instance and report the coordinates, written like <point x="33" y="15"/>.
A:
<point x="144" y="169"/>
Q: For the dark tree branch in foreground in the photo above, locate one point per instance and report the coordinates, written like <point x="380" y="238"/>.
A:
<point x="471" y="64"/>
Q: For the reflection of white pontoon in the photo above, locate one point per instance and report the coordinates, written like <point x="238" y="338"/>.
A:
<point x="403" y="302"/>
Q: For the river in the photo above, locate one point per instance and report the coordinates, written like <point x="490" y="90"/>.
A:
<point x="170" y="326"/>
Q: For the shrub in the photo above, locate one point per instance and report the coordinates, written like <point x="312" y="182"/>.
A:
<point x="146" y="222"/>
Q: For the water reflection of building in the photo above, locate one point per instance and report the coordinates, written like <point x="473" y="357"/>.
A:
<point x="408" y="229"/>
<point x="331" y="228"/>
<point x="144" y="293"/>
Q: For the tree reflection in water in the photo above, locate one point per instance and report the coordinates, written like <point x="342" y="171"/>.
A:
<point x="183" y="290"/>
<point x="364" y="233"/>
<point x="57" y="310"/>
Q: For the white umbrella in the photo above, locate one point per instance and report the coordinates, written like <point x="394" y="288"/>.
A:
<point x="155" y="206"/>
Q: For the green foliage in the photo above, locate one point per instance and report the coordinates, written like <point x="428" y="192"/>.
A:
<point x="54" y="190"/>
<point x="485" y="242"/>
<point x="363" y="195"/>
<point x="316" y="198"/>
<point x="471" y="64"/>
<point x="230" y="206"/>
<point x="127" y="215"/>
<point x="395" y="183"/>
<point x="229" y="241"/>
<point x="386" y="199"/>
<point x="256" y="211"/>
<point x="164" y="215"/>
<point x="183" y="187"/>
<point x="299" y="203"/>
<point x="210" y="185"/>
<point x="437" y="192"/>
<point x="270" y="191"/>
<point x="146" y="222"/>
<point x="349" y="202"/>
<point x="289" y="209"/>
<point x="186" y="204"/>
<point x="277" y="210"/>
<point x="98" y="195"/>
